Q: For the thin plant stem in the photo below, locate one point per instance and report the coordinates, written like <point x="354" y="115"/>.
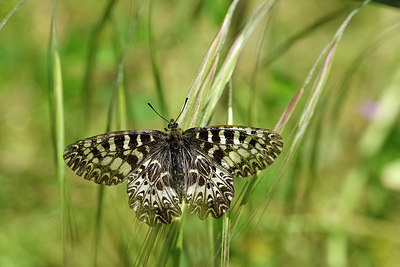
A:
<point x="57" y="109"/>
<point x="4" y="21"/>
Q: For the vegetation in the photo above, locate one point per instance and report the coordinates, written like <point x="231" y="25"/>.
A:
<point x="325" y="76"/>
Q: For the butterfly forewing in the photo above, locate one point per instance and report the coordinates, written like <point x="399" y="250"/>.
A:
<point x="109" y="158"/>
<point x="242" y="151"/>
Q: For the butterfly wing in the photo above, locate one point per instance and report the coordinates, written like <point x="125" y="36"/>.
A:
<point x="152" y="190"/>
<point x="242" y="151"/>
<point x="109" y="158"/>
<point x="208" y="187"/>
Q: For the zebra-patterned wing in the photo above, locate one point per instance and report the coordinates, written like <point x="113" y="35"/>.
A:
<point x="208" y="188"/>
<point x="109" y="158"/>
<point x="152" y="190"/>
<point x="242" y="151"/>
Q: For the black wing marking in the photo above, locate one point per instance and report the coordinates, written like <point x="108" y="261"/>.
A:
<point x="152" y="190"/>
<point x="109" y="158"/>
<point x="242" y="151"/>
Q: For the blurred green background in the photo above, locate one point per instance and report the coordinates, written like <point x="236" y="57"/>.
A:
<point x="338" y="202"/>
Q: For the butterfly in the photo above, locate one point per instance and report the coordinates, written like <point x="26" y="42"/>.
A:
<point x="164" y="168"/>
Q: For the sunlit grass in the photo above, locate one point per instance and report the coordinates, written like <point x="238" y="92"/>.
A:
<point x="331" y="197"/>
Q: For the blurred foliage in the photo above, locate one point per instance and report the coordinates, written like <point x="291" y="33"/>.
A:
<point x="338" y="203"/>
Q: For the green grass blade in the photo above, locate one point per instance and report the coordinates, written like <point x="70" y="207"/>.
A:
<point x="229" y="63"/>
<point x="4" y="21"/>
<point x="57" y="115"/>
<point x="90" y="68"/>
<point x="97" y="223"/>
<point x="292" y="40"/>
<point x="202" y="82"/>
<point x="173" y="242"/>
<point x="91" y="58"/>
<point x="117" y="92"/>
<point x="319" y="82"/>
<point x="288" y="111"/>
<point x="389" y="109"/>
<point x="356" y="179"/>
<point x="206" y="90"/>
<point x="225" y="241"/>
<point x="154" y="66"/>
<point x="225" y="233"/>
<point x="59" y="136"/>
<point x="305" y="117"/>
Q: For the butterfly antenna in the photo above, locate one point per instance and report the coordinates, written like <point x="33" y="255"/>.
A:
<point x="184" y="106"/>
<point x="157" y="112"/>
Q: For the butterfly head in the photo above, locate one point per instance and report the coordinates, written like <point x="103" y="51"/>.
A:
<point x="172" y="124"/>
<point x="173" y="131"/>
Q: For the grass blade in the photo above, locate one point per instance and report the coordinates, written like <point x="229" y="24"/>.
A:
<point x="91" y="59"/>
<point x="154" y="66"/>
<point x="229" y="63"/>
<point x="304" y="120"/>
<point x="4" y="21"/>
<point x="118" y="93"/>
<point x="57" y="122"/>
<point x="202" y="82"/>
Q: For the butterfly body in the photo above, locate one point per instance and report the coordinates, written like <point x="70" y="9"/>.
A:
<point x="164" y="168"/>
<point x="174" y="139"/>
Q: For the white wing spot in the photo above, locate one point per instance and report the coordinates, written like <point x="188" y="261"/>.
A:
<point x="213" y="149"/>
<point x="100" y="148"/>
<point x="248" y="139"/>
<point x="106" y="161"/>
<point x="87" y="144"/>
<point x="139" y="140"/>
<point x="258" y="146"/>
<point x="226" y="163"/>
<point x="244" y="153"/>
<point x="236" y="138"/>
<point x="260" y="134"/>
<point x="112" y="144"/>
<point x="209" y="139"/>
<point x="222" y="137"/>
<point x="125" y="169"/>
<point x="115" y="164"/>
<point x="235" y="157"/>
<point x="127" y="138"/>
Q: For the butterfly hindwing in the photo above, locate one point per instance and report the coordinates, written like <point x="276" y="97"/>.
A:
<point x="152" y="190"/>
<point x="109" y="158"/>
<point x="242" y="151"/>
<point x="208" y="187"/>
